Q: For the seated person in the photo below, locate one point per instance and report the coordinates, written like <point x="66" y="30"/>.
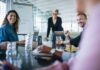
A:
<point x="8" y="31"/>
<point x="9" y="28"/>
<point x="82" y="18"/>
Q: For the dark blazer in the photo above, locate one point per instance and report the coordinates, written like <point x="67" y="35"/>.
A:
<point x="75" y="41"/>
<point x="55" y="27"/>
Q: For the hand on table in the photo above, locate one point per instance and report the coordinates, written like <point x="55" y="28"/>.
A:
<point x="67" y="33"/>
<point x="44" y="49"/>
<point x="59" y="42"/>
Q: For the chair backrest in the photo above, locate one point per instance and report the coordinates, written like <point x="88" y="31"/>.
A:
<point x="59" y="33"/>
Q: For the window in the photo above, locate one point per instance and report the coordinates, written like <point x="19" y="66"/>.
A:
<point x="2" y="11"/>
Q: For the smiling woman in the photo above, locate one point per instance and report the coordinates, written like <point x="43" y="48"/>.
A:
<point x="2" y="11"/>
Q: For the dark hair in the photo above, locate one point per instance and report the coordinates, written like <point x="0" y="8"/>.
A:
<point x="17" y="19"/>
<point x="82" y="14"/>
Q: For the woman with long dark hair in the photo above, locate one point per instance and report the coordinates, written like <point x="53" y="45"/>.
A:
<point x="9" y="28"/>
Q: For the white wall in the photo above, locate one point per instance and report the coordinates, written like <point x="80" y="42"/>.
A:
<point x="2" y="11"/>
<point x="26" y="17"/>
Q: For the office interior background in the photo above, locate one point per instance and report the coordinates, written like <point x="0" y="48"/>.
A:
<point x="34" y="14"/>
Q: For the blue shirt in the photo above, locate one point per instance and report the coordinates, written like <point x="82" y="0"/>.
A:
<point x="8" y="33"/>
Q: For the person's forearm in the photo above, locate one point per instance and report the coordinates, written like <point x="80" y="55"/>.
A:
<point x="17" y="43"/>
<point x="20" y="43"/>
<point x="3" y="45"/>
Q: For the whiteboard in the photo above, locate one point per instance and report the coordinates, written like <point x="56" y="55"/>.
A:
<point x="26" y="17"/>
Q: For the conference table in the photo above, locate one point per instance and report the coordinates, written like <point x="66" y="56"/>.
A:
<point x="26" y="60"/>
<point x="29" y="61"/>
